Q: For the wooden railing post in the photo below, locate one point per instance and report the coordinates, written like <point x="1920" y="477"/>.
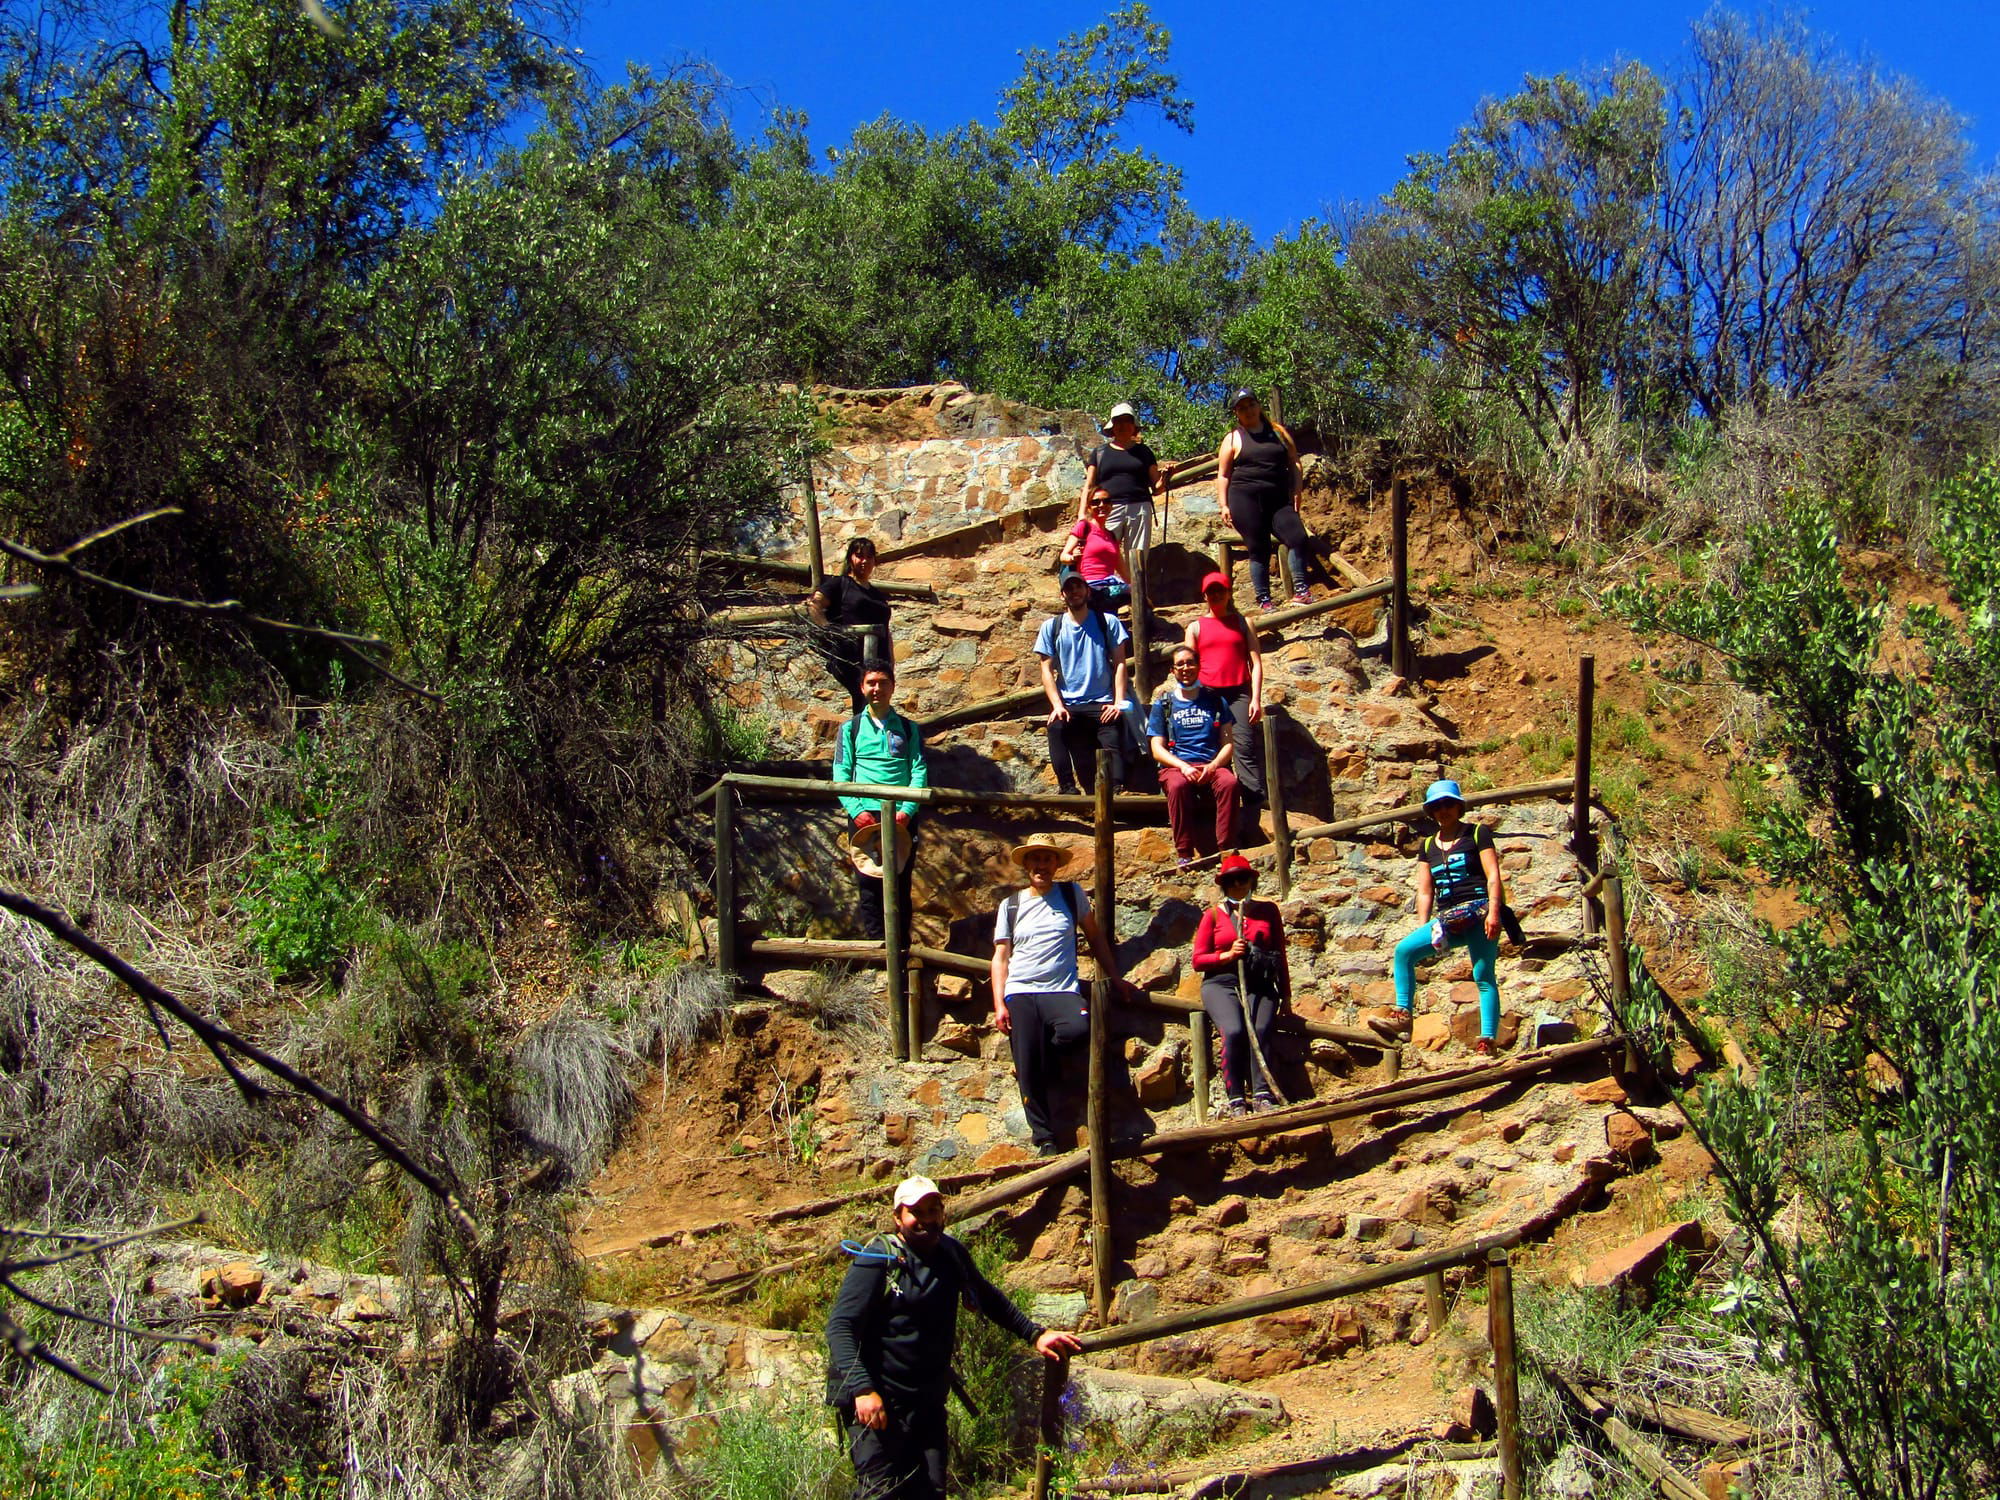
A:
<point x="1096" y="1119"/>
<point x="1618" y="959"/>
<point x="1049" y="1431"/>
<point x="1401" y="660"/>
<point x="1105" y="899"/>
<point x="814" y="551"/>
<point x="1274" y="794"/>
<point x="1583" y="842"/>
<point x="1142" y="663"/>
<point x="1199" y="1063"/>
<point x="725" y="879"/>
<point x="903" y="1028"/>
<point x="1506" y="1373"/>
<point x="1434" y="1303"/>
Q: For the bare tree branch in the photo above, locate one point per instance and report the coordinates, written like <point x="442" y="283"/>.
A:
<point x="221" y="1041"/>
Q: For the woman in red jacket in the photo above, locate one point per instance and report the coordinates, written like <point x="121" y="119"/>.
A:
<point x="1242" y="940"/>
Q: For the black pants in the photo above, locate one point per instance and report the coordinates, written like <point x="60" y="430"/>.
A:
<point x="905" y="1460"/>
<point x="850" y="655"/>
<point x="869" y="890"/>
<point x="1045" y="1024"/>
<point x="1248" y="763"/>
<point x="1218" y="998"/>
<point x="1074" y="743"/>
<point x="1257" y="511"/>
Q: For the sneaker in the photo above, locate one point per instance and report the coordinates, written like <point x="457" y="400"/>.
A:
<point x="1302" y="596"/>
<point x="1047" y="1149"/>
<point x="1397" y="1030"/>
<point x="1233" y="1109"/>
<point x="1186" y="862"/>
<point x="1067" y="791"/>
<point x="1265" y="602"/>
<point x="1484" y="1046"/>
<point x="1263" y="1104"/>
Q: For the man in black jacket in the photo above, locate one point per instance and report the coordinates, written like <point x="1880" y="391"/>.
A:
<point x="889" y="1343"/>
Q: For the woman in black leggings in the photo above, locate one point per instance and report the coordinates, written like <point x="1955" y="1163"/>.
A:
<point x="839" y="604"/>
<point x="1257" y="479"/>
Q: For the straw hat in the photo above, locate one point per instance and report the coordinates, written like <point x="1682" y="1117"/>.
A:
<point x="1020" y="852"/>
<point x="864" y="847"/>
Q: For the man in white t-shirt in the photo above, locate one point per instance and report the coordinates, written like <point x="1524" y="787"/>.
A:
<point x="1037" y="994"/>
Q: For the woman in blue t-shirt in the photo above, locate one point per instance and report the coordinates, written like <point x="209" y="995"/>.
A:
<point x="1458" y="877"/>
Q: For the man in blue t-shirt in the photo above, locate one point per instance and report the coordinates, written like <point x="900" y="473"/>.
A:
<point x="1083" y="654"/>
<point x="1189" y="735"/>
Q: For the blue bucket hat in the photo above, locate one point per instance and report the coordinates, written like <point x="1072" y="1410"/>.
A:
<point x="1444" y="791"/>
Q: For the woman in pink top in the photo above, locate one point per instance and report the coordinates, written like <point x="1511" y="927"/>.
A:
<point x="1094" y="551"/>
<point x="1242" y="939"/>
<point x="1232" y="664"/>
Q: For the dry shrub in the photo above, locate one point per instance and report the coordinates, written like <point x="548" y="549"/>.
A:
<point x="574" y="1090"/>
<point x="667" y="1014"/>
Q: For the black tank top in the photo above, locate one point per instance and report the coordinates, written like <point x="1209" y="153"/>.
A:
<point x="1456" y="872"/>
<point x="1262" y="460"/>
<point x="1125" y="473"/>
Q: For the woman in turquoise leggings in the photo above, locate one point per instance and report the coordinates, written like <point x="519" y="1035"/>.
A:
<point x="1458" y="865"/>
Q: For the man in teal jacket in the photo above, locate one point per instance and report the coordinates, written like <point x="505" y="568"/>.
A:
<point x="879" y="746"/>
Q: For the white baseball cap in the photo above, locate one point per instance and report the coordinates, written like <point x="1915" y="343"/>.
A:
<point x="1122" y="409"/>
<point x="913" y="1190"/>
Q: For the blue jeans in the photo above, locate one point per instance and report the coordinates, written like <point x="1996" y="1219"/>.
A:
<point x="1416" y="949"/>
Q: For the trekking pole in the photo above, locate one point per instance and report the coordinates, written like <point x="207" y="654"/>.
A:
<point x="1243" y="999"/>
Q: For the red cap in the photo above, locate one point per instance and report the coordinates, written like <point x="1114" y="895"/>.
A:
<point x="1234" y="864"/>
<point x="1213" y="581"/>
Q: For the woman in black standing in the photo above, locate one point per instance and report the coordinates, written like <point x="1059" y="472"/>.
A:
<point x="850" y="600"/>
<point x="1127" y="473"/>
<point x="1257" y="479"/>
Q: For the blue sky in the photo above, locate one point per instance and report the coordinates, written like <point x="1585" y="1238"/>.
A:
<point x="1298" y="106"/>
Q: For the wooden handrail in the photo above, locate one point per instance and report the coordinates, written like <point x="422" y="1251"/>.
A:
<point x="1465" y="1252"/>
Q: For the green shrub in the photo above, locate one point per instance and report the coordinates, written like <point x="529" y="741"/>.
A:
<point x="162" y="1451"/>
<point x="778" y="1452"/>
<point x="304" y="914"/>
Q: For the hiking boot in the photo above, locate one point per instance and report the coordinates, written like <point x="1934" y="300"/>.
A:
<point x="1047" y="1149"/>
<point x="1067" y="789"/>
<point x="1397" y="1030"/>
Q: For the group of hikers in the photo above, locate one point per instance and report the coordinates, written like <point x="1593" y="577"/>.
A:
<point x="890" y="1335"/>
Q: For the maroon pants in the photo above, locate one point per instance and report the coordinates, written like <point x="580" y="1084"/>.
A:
<point x="1182" y="796"/>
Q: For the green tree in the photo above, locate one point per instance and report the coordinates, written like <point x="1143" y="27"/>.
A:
<point x="1864" y="1155"/>
<point x="1516" y="256"/>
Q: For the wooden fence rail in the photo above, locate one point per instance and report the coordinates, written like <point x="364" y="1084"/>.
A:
<point x="1489" y="1251"/>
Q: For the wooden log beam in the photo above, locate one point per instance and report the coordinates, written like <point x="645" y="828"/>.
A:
<point x="1352" y="1036"/>
<point x="991" y="529"/>
<point x="774" y="567"/>
<point x="1278" y="619"/>
<point x="1276" y="1122"/>
<point x="1015" y="704"/>
<point x="1233" y="1481"/>
<point x="1238" y="1309"/>
<point x="1191" y="471"/>
<point x="1682" y="1421"/>
<point x="1409" y="812"/>
<point x="811" y="788"/>
<point x="1649" y="1461"/>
